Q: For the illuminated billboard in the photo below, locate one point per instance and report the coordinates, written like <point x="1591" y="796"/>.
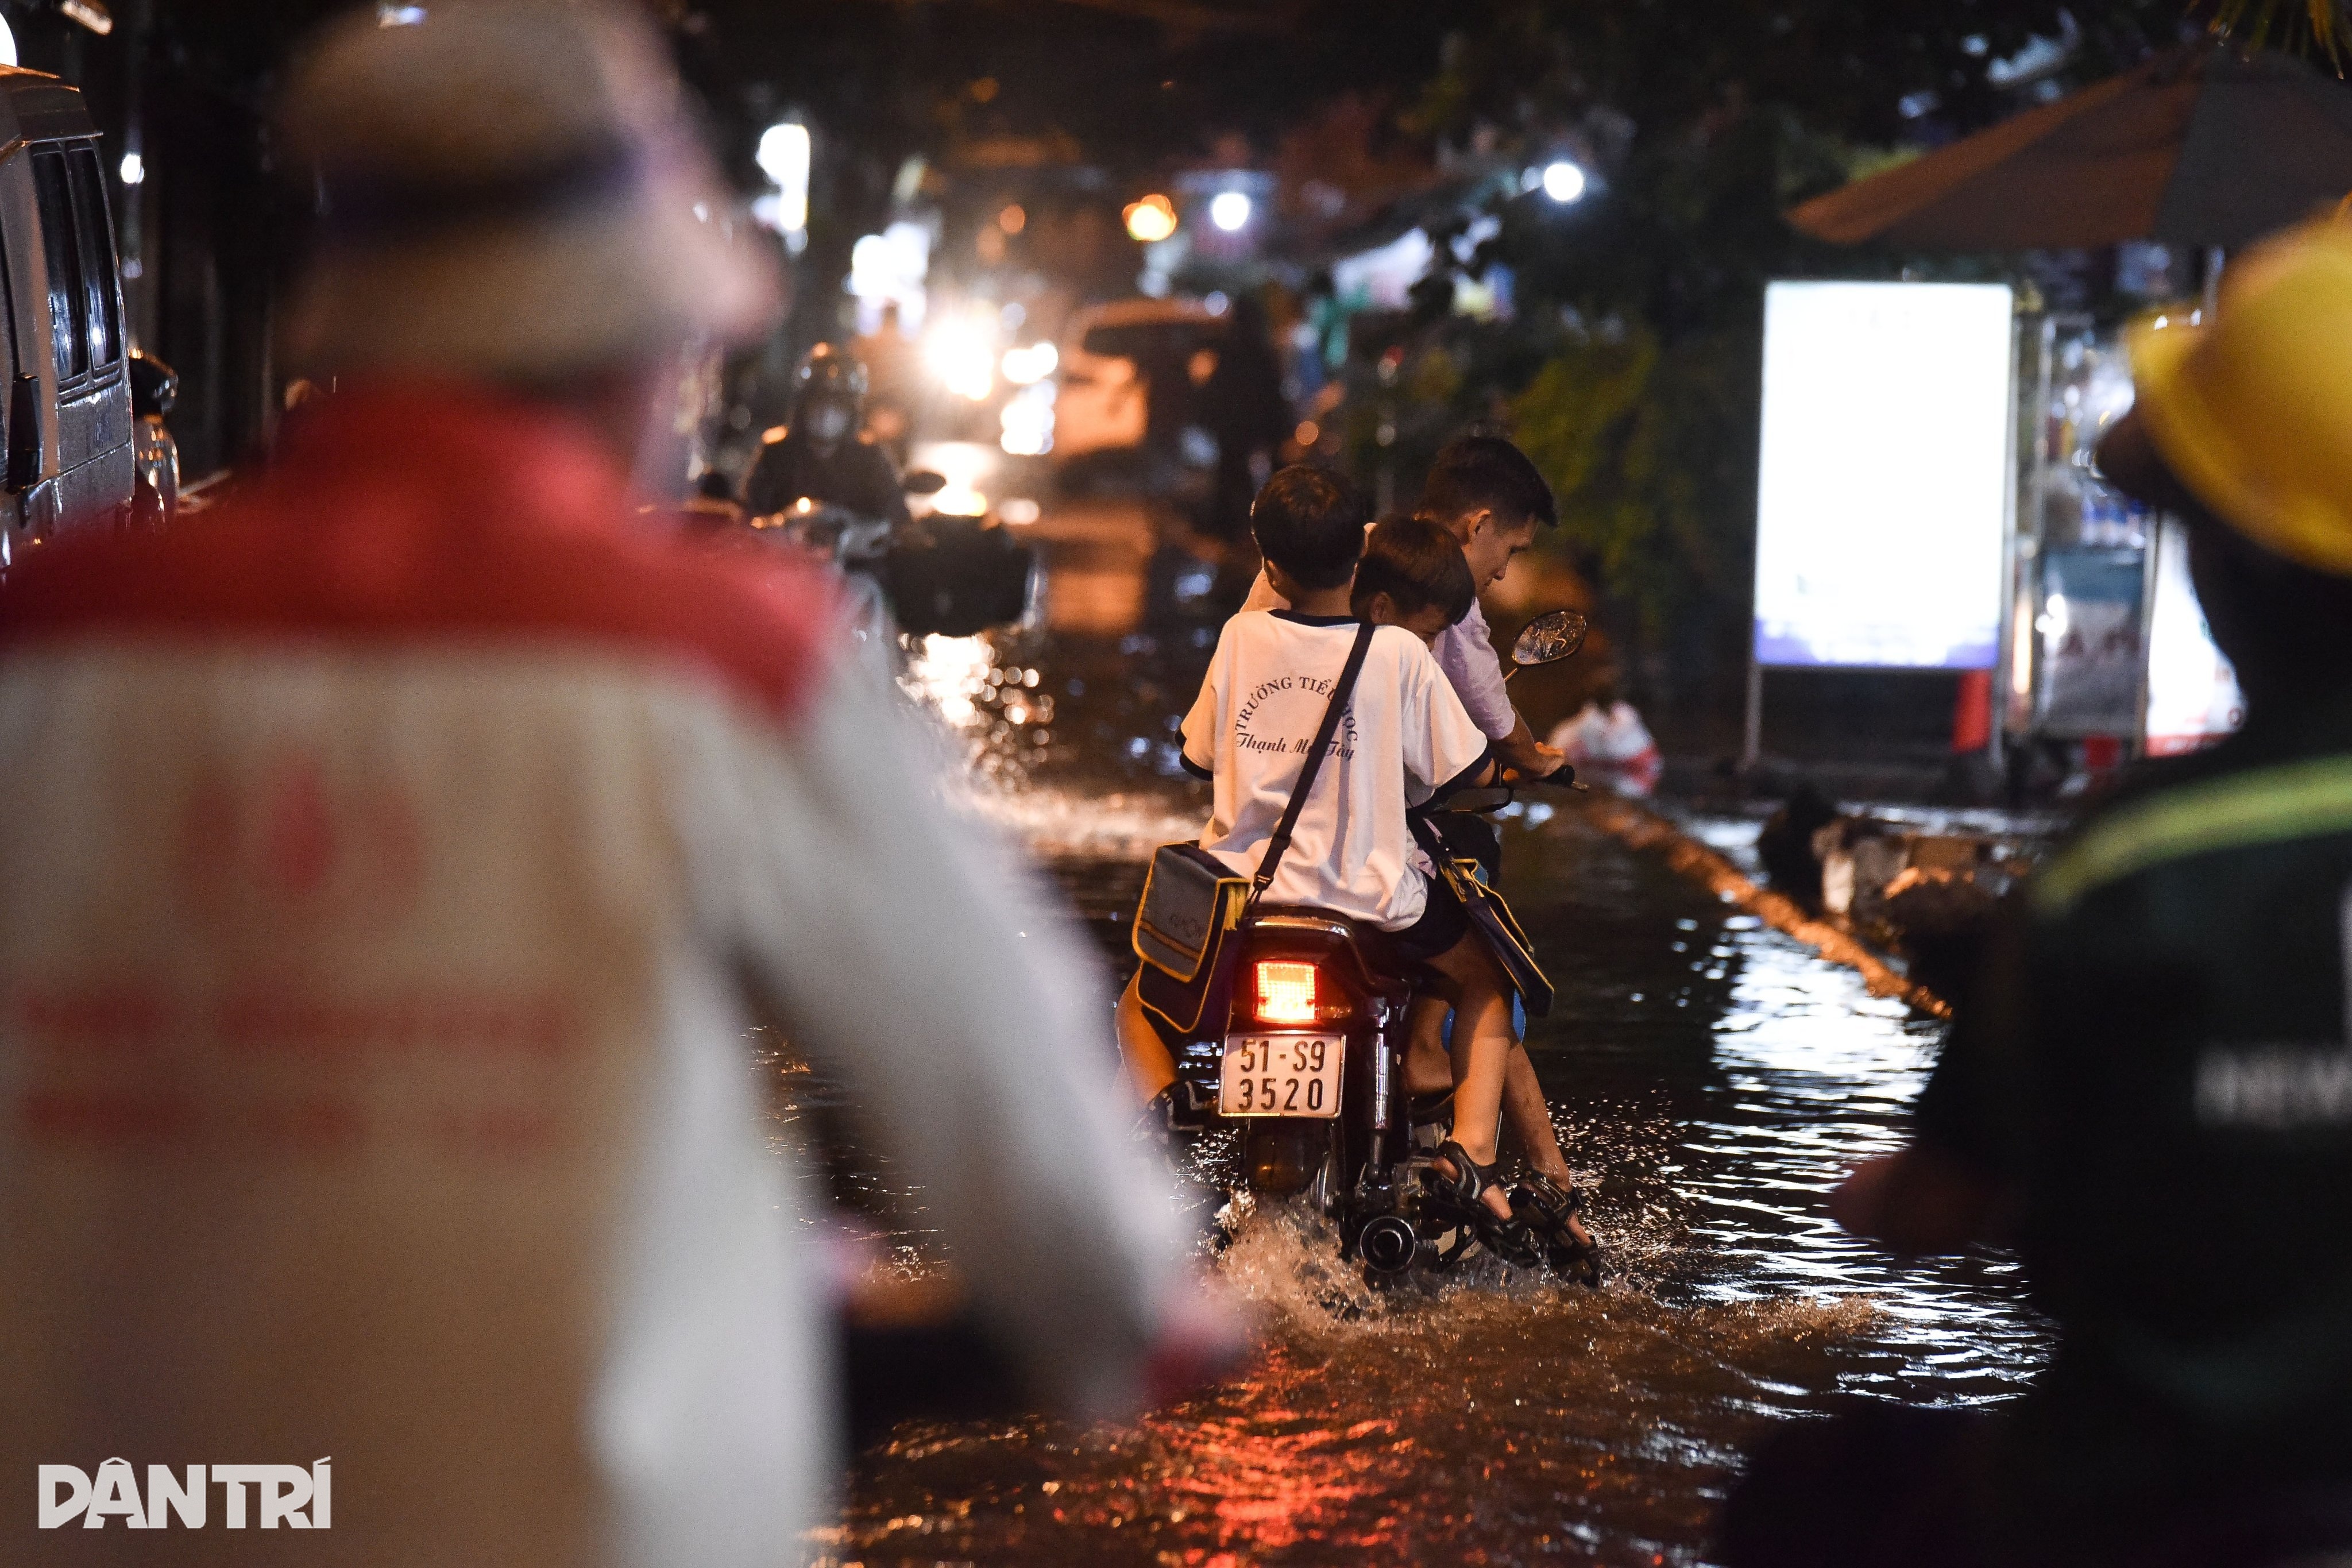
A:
<point x="1883" y="493"/>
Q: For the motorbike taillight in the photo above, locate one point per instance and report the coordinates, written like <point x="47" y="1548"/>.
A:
<point x="1286" y="992"/>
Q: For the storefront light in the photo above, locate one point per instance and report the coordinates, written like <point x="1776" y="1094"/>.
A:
<point x="784" y="156"/>
<point x="1230" y="210"/>
<point x="1564" y="181"/>
<point x="1027" y="366"/>
<point x="889" y="268"/>
<point x="1027" y="421"/>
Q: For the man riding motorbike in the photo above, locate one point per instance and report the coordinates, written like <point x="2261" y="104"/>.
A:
<point x="2150" y="1089"/>
<point x="823" y="455"/>
<point x="1484" y="491"/>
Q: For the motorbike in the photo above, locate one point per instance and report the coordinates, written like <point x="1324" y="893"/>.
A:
<point x="1300" y="1050"/>
<point x="942" y="574"/>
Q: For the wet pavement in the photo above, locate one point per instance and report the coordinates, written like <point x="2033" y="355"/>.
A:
<point x="1711" y="1079"/>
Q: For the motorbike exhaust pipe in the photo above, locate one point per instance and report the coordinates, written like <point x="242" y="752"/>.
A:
<point x="1388" y="1244"/>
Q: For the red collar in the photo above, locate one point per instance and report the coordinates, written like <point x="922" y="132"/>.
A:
<point x="409" y="512"/>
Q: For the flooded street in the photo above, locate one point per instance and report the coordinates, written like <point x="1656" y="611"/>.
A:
<point x="1711" y="1079"/>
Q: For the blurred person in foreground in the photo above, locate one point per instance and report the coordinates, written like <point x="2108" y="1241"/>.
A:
<point x="2150" y="1093"/>
<point x="394" y="864"/>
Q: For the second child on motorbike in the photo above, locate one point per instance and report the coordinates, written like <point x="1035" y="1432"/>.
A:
<point x="1414" y="575"/>
<point x="1406" y="732"/>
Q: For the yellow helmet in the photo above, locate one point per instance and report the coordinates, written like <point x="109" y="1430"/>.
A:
<point x="2252" y="411"/>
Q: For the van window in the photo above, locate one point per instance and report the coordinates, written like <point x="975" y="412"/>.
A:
<point x="102" y="294"/>
<point x="69" y="332"/>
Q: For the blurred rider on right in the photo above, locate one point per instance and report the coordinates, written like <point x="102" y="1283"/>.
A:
<point x="2150" y="1093"/>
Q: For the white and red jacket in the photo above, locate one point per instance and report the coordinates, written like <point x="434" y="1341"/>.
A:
<point x="389" y="866"/>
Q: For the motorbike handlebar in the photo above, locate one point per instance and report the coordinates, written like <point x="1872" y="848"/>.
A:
<point x="1562" y="777"/>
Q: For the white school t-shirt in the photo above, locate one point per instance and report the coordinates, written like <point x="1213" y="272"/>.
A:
<point x="1464" y="650"/>
<point x="1404" y="734"/>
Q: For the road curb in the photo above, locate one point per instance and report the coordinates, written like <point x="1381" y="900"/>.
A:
<point x="1639" y="827"/>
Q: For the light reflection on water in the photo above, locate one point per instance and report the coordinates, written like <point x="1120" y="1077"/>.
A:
<point x="1711" y="1079"/>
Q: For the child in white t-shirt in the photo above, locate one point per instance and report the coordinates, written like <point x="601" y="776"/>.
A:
<point x="1404" y="738"/>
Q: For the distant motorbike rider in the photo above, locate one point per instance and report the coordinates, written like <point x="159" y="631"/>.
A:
<point x="823" y="454"/>
<point x="2150" y="1087"/>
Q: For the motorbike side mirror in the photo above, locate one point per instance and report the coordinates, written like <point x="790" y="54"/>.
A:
<point x="923" y="482"/>
<point x="1550" y="637"/>
<point x="154" y="386"/>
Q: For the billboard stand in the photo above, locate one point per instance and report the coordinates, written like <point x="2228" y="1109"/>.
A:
<point x="1886" y="490"/>
<point x="2004" y="649"/>
<point x="1751" y="752"/>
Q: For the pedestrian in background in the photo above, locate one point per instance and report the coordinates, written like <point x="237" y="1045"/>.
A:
<point x="2150" y="1093"/>
<point x="1244" y="406"/>
<point x="393" y="863"/>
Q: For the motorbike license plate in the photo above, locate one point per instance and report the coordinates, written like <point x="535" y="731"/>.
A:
<point x="1281" y="1075"/>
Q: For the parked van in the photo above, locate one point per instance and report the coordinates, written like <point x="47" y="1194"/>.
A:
<point x="1117" y="358"/>
<point x="67" y="439"/>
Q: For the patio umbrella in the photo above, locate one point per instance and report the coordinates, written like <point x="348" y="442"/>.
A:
<point x="2197" y="148"/>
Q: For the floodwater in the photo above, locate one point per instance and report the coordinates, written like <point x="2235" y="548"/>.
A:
<point x="1711" y="1079"/>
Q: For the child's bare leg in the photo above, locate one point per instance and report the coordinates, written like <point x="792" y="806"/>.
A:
<point x="1426" y="1070"/>
<point x="1527" y="1117"/>
<point x="1149" y="1068"/>
<point x="1482" y="1050"/>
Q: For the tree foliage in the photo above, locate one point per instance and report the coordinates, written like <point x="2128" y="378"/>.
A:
<point x="2316" y="29"/>
<point x="1700" y="121"/>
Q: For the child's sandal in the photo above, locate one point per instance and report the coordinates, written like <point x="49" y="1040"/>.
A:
<point x="1548" y="1207"/>
<point x="1508" y="1239"/>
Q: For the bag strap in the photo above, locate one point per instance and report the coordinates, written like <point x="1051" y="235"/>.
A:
<point x="1271" y="861"/>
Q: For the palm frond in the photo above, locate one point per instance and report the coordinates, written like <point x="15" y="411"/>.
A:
<point x="2316" y="29"/>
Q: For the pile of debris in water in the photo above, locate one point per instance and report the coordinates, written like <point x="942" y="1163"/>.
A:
<point x="1921" y="883"/>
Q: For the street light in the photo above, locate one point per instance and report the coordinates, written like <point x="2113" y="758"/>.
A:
<point x="1152" y="219"/>
<point x="1230" y="210"/>
<point x="1564" y="181"/>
